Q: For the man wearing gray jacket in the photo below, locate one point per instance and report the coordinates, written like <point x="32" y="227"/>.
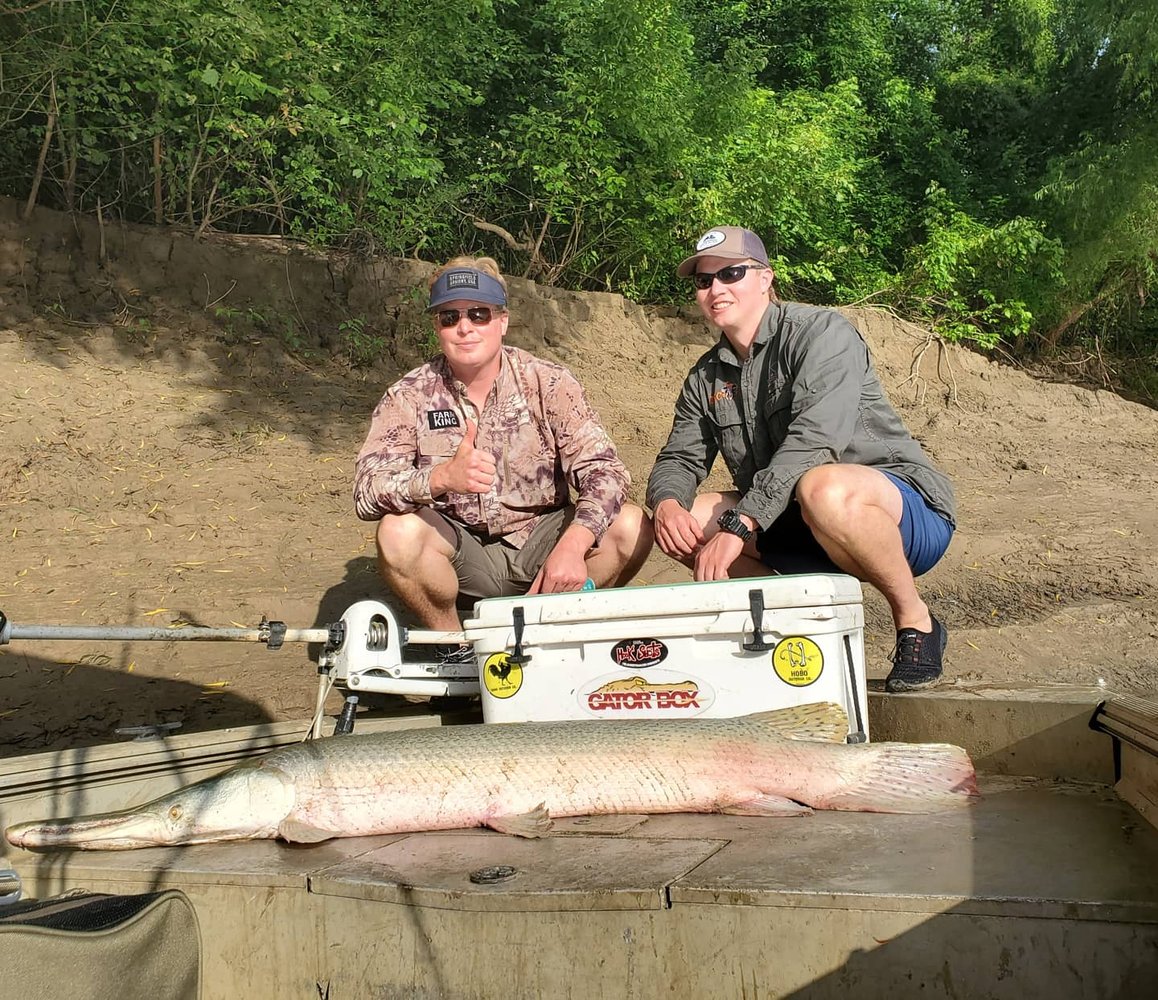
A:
<point x="827" y="477"/>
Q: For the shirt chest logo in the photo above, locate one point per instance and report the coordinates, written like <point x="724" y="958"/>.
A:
<point x="440" y="419"/>
<point x="726" y="391"/>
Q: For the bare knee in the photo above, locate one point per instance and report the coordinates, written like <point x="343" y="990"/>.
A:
<point x="631" y="529"/>
<point x="404" y="539"/>
<point x="826" y="496"/>
<point x="709" y="506"/>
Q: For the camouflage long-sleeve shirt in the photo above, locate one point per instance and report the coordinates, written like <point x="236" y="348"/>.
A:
<point x="545" y="438"/>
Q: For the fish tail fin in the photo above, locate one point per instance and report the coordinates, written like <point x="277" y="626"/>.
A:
<point x="820" y="721"/>
<point x="907" y="778"/>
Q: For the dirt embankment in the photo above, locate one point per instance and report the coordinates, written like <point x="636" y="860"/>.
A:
<point x="179" y="429"/>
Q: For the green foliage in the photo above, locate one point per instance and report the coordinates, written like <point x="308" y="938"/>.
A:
<point x="309" y="119"/>
<point x="966" y="277"/>
<point x="792" y="168"/>
<point x="1100" y="192"/>
<point x="291" y="336"/>
<point x="991" y="165"/>
<point x="362" y="347"/>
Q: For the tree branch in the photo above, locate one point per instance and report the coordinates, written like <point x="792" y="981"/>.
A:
<point x="25" y="10"/>
<point x="504" y="235"/>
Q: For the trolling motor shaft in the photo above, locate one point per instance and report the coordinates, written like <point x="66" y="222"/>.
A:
<point x="272" y="633"/>
<point x="362" y="651"/>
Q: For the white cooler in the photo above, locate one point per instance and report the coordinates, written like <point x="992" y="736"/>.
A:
<point x="692" y="649"/>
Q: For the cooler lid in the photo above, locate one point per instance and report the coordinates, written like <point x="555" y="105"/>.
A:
<point x="670" y="600"/>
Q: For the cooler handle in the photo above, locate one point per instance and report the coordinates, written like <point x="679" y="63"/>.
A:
<point x="757" y="644"/>
<point x="518" y="621"/>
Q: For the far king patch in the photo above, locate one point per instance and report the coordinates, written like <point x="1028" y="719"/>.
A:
<point x="438" y="419"/>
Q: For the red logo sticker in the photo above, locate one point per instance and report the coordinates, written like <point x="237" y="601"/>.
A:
<point x="639" y="697"/>
<point x="635" y="653"/>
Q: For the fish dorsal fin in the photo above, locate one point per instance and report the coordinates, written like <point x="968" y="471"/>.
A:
<point x="297" y="832"/>
<point x="819" y="721"/>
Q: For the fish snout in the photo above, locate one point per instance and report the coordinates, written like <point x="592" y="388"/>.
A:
<point x="109" y="832"/>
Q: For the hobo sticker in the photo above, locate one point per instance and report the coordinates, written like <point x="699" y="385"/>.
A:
<point x="502" y="677"/>
<point x="798" y="661"/>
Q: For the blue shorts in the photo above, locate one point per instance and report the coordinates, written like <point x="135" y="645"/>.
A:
<point x="788" y="546"/>
<point x="925" y="534"/>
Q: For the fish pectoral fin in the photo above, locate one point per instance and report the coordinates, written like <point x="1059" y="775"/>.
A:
<point x="535" y="823"/>
<point x="297" y="832"/>
<point x="765" y="805"/>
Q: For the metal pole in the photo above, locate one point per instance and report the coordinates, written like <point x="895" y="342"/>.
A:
<point x="127" y="633"/>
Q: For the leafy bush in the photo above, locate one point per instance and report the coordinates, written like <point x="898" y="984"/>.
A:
<point x="992" y="167"/>
<point x="977" y="282"/>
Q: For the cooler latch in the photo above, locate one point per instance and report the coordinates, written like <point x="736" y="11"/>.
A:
<point x="757" y="643"/>
<point x="518" y="621"/>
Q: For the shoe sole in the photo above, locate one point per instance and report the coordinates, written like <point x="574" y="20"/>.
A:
<point x="900" y="687"/>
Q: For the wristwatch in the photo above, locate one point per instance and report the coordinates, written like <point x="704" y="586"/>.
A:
<point x="730" y="522"/>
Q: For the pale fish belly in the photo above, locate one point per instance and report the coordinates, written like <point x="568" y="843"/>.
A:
<point x="470" y="791"/>
<point x="470" y="776"/>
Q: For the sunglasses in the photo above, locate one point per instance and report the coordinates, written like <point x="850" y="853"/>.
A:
<point x="478" y="315"/>
<point x="726" y="275"/>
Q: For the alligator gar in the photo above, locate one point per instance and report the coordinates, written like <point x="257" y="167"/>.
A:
<point x="513" y="777"/>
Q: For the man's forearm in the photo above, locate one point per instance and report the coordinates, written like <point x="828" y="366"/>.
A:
<point x="382" y="490"/>
<point x="577" y="539"/>
<point x="664" y="488"/>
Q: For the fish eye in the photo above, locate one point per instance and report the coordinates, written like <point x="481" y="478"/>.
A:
<point x="174" y="812"/>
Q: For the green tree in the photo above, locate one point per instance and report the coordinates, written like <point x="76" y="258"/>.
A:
<point x="989" y="165"/>
<point x="1101" y="189"/>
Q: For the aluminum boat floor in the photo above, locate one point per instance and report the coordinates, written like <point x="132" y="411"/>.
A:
<point x="1044" y="888"/>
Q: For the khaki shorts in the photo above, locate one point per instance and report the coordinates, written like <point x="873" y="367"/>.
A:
<point x="496" y="568"/>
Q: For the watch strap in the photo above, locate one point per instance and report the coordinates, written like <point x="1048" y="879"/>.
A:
<point x="730" y="522"/>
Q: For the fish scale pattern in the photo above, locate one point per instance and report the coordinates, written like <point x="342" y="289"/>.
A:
<point x="464" y="776"/>
<point x="513" y="777"/>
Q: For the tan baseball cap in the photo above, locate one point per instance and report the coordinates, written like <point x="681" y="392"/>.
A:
<point x="729" y="242"/>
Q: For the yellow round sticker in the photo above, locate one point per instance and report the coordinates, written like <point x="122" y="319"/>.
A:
<point x="797" y="660"/>
<point x="502" y="677"/>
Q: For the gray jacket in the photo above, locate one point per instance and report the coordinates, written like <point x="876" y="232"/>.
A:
<point x="806" y="396"/>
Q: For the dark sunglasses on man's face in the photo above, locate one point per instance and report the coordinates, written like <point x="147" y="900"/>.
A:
<point x="478" y="315"/>
<point x="726" y="275"/>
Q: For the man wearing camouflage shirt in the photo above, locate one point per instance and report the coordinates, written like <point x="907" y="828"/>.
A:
<point x="471" y="460"/>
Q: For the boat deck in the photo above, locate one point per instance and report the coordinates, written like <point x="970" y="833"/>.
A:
<point x="1048" y="886"/>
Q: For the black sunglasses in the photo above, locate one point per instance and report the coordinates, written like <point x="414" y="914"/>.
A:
<point x="478" y="315"/>
<point x="726" y="275"/>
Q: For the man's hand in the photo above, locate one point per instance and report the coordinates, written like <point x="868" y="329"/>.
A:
<point x="470" y="471"/>
<point x="677" y="533"/>
<point x="565" y="569"/>
<point x="715" y="559"/>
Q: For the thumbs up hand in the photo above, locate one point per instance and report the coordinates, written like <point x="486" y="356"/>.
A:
<point x="469" y="471"/>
